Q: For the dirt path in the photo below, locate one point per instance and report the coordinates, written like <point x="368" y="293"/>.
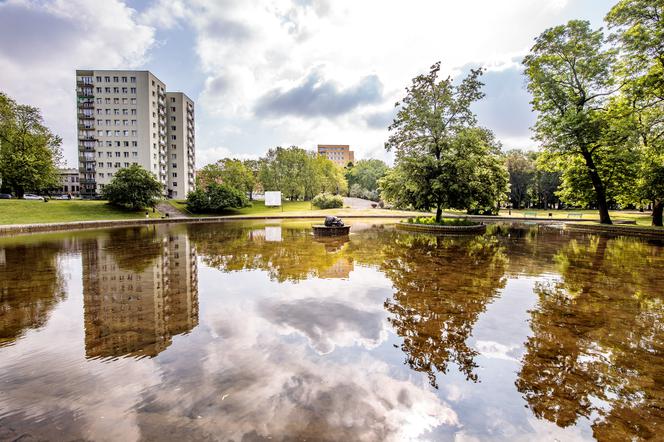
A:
<point x="358" y="203"/>
<point x="165" y="208"/>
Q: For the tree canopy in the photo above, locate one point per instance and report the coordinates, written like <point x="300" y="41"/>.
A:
<point x="442" y="159"/>
<point x="133" y="187"/>
<point x="29" y="152"/>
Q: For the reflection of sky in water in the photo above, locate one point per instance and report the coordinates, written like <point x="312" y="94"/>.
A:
<point x="314" y="359"/>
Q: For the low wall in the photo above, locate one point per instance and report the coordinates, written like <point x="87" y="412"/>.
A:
<point x="432" y="228"/>
<point x="617" y="230"/>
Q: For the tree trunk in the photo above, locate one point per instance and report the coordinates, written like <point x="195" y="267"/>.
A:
<point x="439" y="213"/>
<point x="657" y="209"/>
<point x="600" y="192"/>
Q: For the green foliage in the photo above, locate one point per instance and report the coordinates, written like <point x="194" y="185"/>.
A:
<point x="133" y="187"/>
<point x="327" y="201"/>
<point x="232" y="172"/>
<point x="29" y="152"/>
<point x="300" y="174"/>
<point x="216" y="198"/>
<point x="357" y="191"/>
<point x="443" y="222"/>
<point x="365" y="175"/>
<point x="569" y="72"/>
<point x="442" y="159"/>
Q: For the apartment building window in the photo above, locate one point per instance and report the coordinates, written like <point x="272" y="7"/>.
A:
<point x="124" y="90"/>
<point x="124" y="101"/>
<point x="154" y="104"/>
<point x="133" y="133"/>
<point x="134" y="154"/>
<point x="107" y="90"/>
<point x="109" y="165"/>
<point x="116" y="122"/>
<point x="116" y="90"/>
<point x="116" y="111"/>
<point x="109" y="144"/>
<point x="126" y="164"/>
<point x="152" y="82"/>
<point x="115" y="79"/>
<point x="134" y="122"/>
<point x="175" y="165"/>
<point x="99" y="154"/>
<point x="118" y="133"/>
<point x="172" y="109"/>
<point x="100" y="122"/>
<point x="173" y="128"/>
<point x="117" y="144"/>
<point x="101" y="175"/>
<point x="153" y="93"/>
<point x="117" y="154"/>
<point x="107" y="100"/>
<point x="125" y="122"/>
<point x="134" y="162"/>
<point x="99" y="90"/>
<point x="108" y="122"/>
<point x="175" y="175"/>
<point x="126" y="154"/>
<point x="134" y="143"/>
<point x="174" y="146"/>
<point x="154" y="156"/>
<point x="124" y="79"/>
<point x="172" y="118"/>
<point x="99" y="112"/>
<point x="117" y="165"/>
<point x="174" y="156"/>
<point x="109" y="154"/>
<point x="125" y="143"/>
<point x="116" y="101"/>
<point x="109" y="133"/>
<point x="133" y="111"/>
<point x="99" y="79"/>
<point x="173" y="137"/>
<point x="133" y="90"/>
<point x="172" y="99"/>
<point x="107" y="79"/>
<point x="125" y="133"/>
<point x="98" y="100"/>
<point x="175" y="184"/>
<point x="132" y="79"/>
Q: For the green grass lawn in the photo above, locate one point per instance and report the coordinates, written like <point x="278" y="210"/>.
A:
<point x="28" y="212"/>
<point x="641" y="218"/>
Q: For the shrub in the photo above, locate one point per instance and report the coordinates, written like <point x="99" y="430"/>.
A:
<point x="430" y="220"/>
<point x="216" y="198"/>
<point x="327" y="201"/>
<point x="134" y="188"/>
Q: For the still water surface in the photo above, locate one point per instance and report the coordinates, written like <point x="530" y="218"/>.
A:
<point x="255" y="331"/>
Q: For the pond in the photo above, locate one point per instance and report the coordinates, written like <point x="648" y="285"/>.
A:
<point x="255" y="331"/>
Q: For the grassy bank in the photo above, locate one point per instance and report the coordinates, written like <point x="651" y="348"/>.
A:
<point x="30" y="212"/>
<point x="292" y="209"/>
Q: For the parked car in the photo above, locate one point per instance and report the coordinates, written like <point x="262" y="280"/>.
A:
<point x="5" y="196"/>
<point x="31" y="196"/>
<point x="62" y="197"/>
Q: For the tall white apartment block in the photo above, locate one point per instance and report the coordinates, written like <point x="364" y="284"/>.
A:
<point x="124" y="118"/>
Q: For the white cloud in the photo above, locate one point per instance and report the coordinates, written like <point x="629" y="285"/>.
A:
<point x="42" y="44"/>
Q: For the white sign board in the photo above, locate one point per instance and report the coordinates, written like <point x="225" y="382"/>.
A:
<point x="272" y="199"/>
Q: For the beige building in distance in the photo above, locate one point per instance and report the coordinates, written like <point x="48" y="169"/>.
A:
<point x="69" y="181"/>
<point x="125" y="118"/>
<point x="338" y="153"/>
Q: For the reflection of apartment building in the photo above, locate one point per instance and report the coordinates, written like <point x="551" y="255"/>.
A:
<point x="339" y="270"/>
<point x="137" y="311"/>
<point x="338" y="153"/>
<point x="127" y="117"/>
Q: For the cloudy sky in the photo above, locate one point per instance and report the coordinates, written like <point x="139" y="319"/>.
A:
<point x="282" y="72"/>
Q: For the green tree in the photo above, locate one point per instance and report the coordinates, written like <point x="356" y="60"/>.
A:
<point x="569" y="74"/>
<point x="521" y="169"/>
<point x="216" y="198"/>
<point x="366" y="173"/>
<point x="638" y="30"/>
<point x="133" y="187"/>
<point x="426" y="137"/>
<point x="300" y="174"/>
<point x="29" y="152"/>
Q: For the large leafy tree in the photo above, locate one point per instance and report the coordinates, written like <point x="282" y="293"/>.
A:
<point x="29" y="152"/>
<point x="300" y="174"/>
<point x="638" y="29"/>
<point x="133" y="187"/>
<point x="366" y="173"/>
<point x="569" y="73"/>
<point x="229" y="171"/>
<point x="521" y="168"/>
<point x="429" y="133"/>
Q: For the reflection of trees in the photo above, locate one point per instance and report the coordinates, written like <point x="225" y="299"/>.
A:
<point x="598" y="340"/>
<point x="442" y="286"/>
<point x="297" y="257"/>
<point x="30" y="286"/>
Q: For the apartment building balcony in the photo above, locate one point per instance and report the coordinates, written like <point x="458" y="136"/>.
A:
<point x="87" y="181"/>
<point x="83" y="116"/>
<point x="86" y="105"/>
<point x="85" y="93"/>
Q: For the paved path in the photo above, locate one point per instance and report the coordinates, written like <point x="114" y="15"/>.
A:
<point x="165" y="208"/>
<point x="358" y="203"/>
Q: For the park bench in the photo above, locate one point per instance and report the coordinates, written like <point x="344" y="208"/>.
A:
<point x="533" y="214"/>
<point x="575" y="215"/>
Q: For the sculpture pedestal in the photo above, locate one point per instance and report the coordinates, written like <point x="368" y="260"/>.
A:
<point x="321" y="230"/>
